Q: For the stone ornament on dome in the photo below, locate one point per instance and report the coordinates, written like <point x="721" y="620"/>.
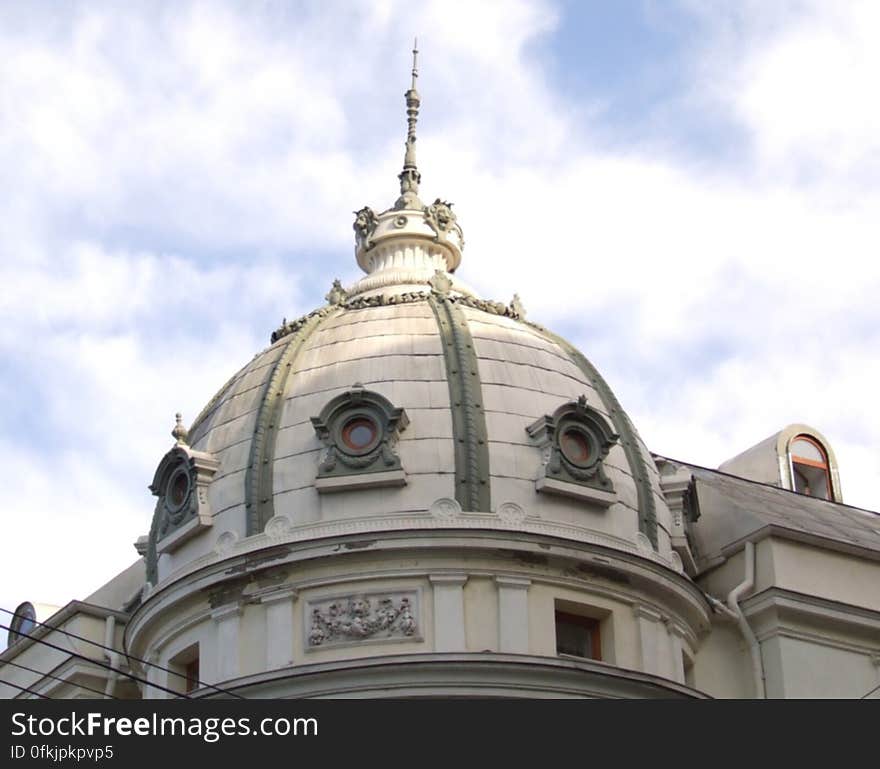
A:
<point x="365" y="223"/>
<point x="337" y="294"/>
<point x="441" y="219"/>
<point x="179" y="432"/>
<point x="517" y="308"/>
<point x="440" y="283"/>
<point x="359" y="429"/>
<point x="575" y="441"/>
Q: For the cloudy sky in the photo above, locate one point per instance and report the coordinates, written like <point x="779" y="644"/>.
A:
<point x="689" y="191"/>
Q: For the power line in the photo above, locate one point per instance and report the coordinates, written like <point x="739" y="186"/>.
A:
<point x="131" y="656"/>
<point x="869" y="693"/>
<point x="24" y="689"/>
<point x="57" y="678"/>
<point x="101" y="664"/>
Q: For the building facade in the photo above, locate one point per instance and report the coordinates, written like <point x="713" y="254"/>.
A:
<point x="416" y="491"/>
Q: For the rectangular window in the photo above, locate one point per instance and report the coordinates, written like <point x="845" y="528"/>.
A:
<point x="183" y="670"/>
<point x="192" y="675"/>
<point x="578" y="636"/>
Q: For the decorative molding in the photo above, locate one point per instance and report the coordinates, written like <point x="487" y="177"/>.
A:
<point x="260" y="477"/>
<point x="514" y="583"/>
<point x="380" y="423"/>
<point x="291" y="327"/>
<point x="278" y="526"/>
<point x="440" y="218"/>
<point x="353" y="482"/>
<point x="409" y="522"/>
<point x="562" y="471"/>
<point x="337" y="294"/>
<point x="226" y="612"/>
<point x="445" y="508"/>
<point x="448" y="579"/>
<point x="647" y="511"/>
<point x="469" y="431"/>
<point x="225" y="542"/>
<point x="365" y="223"/>
<point x="276" y="596"/>
<point x="511" y="513"/>
<point x="643" y="543"/>
<point x="377" y="616"/>
<point x="576" y="491"/>
<point x="182" y="510"/>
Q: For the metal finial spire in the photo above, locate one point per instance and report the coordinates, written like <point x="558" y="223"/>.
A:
<point x="410" y="176"/>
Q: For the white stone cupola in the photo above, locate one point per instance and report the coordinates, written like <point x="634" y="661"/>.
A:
<point x="409" y="242"/>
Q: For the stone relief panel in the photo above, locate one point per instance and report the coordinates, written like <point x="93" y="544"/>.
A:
<point x="362" y="617"/>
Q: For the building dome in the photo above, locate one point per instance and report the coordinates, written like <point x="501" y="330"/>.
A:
<point x="397" y="463"/>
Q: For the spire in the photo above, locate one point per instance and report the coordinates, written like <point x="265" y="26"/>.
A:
<point x="410" y="176"/>
<point x="407" y="243"/>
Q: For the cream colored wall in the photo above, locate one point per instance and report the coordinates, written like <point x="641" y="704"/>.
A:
<point x="797" y="668"/>
<point x="617" y="629"/>
<point x="647" y="638"/>
<point x="826" y="574"/>
<point x="722" y="667"/>
<point x="42" y="657"/>
<point x="481" y="614"/>
<point x="722" y="579"/>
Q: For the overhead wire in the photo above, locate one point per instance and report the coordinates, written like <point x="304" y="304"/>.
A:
<point x="24" y="689"/>
<point x="102" y="664"/>
<point x="156" y="665"/>
<point x="57" y="678"/>
<point x="869" y="692"/>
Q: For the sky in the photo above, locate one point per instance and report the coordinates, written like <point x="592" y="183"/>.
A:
<point x="688" y="191"/>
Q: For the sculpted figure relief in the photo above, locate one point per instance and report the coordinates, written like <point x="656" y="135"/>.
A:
<point x="365" y="223"/>
<point x="358" y="618"/>
<point x="440" y="218"/>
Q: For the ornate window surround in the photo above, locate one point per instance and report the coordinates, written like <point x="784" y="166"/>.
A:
<point x="359" y="429"/>
<point x="176" y="521"/>
<point x="575" y="426"/>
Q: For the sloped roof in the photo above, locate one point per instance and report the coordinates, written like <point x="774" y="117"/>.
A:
<point x="733" y="509"/>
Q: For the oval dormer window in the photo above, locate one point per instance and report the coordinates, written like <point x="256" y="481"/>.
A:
<point x="809" y="467"/>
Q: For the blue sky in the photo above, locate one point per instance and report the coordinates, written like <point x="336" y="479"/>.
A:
<point x="688" y="191"/>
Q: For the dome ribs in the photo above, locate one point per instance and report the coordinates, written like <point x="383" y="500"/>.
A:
<point x="259" y="479"/>
<point x="465" y="398"/>
<point x="623" y="425"/>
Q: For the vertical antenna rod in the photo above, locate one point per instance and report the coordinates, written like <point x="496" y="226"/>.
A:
<point x="410" y="176"/>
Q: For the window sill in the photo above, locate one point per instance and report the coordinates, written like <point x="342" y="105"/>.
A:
<point x="576" y="490"/>
<point x="357" y="481"/>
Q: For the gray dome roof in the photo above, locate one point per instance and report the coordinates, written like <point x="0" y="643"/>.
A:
<point x="473" y="378"/>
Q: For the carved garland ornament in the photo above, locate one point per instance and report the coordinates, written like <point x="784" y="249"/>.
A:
<point x="361" y="617"/>
<point x="514" y="310"/>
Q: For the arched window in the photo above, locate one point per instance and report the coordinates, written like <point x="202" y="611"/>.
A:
<point x="809" y="467"/>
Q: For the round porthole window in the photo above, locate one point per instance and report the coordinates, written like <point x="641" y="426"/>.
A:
<point x="178" y="489"/>
<point x="360" y="434"/>
<point x="23" y="621"/>
<point x="577" y="446"/>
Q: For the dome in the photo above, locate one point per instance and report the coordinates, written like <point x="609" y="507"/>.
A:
<point x="400" y="463"/>
<point x="473" y="377"/>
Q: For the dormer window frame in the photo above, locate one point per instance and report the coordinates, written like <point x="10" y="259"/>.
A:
<point x="794" y="460"/>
